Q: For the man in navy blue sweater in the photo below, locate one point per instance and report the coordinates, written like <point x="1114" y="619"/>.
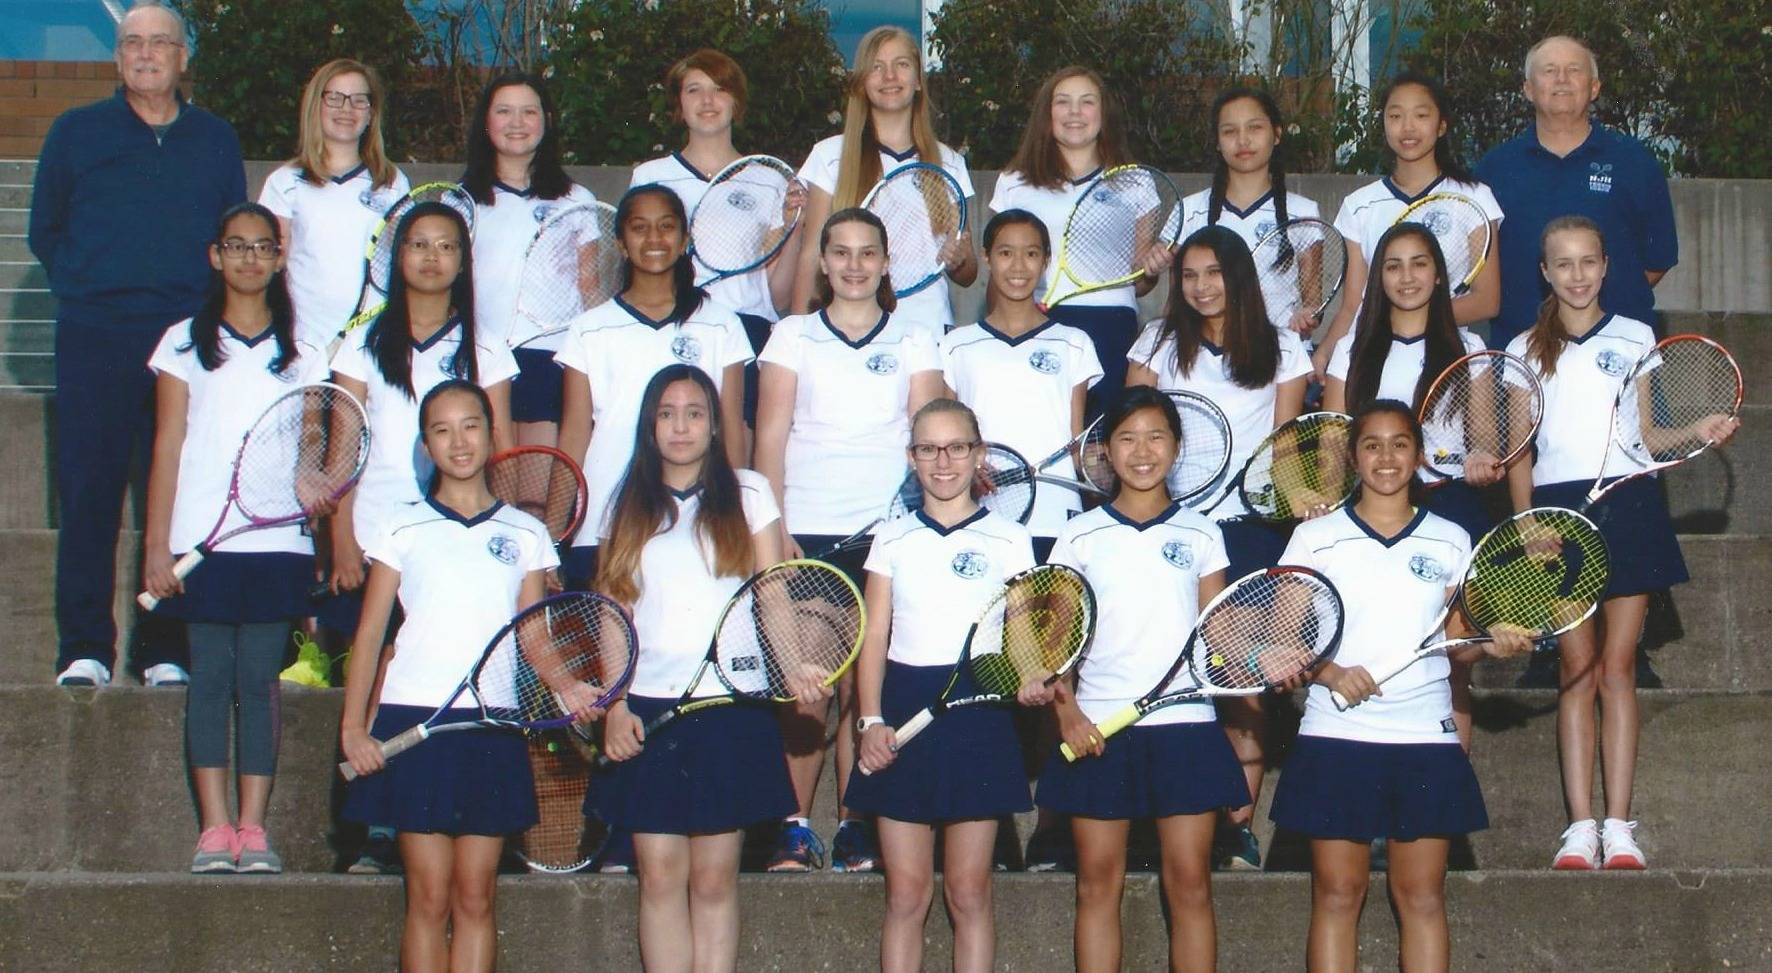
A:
<point x="128" y="194"/>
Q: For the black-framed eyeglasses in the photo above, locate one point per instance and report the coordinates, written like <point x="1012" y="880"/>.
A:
<point x="339" y="99"/>
<point x="927" y="452"/>
<point x="238" y="249"/>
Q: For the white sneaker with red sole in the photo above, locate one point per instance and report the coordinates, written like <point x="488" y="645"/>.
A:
<point x="1619" y="847"/>
<point x="1581" y="848"/>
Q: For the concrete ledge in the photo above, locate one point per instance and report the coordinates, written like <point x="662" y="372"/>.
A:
<point x="1502" y="922"/>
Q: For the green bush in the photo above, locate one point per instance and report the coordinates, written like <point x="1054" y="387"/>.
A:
<point x="608" y="59"/>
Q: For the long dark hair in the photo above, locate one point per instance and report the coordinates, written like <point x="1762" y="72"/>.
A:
<point x="206" y="323"/>
<point x="1276" y="163"/>
<point x="1387" y="407"/>
<point x="644" y="505"/>
<point x="547" y="178"/>
<point x="1251" y="344"/>
<point x="688" y="296"/>
<point x="1038" y="159"/>
<point x="390" y="336"/>
<point x="822" y="295"/>
<point x="1372" y="332"/>
<point x="438" y="391"/>
<point x="1446" y="155"/>
<point x="1017" y="217"/>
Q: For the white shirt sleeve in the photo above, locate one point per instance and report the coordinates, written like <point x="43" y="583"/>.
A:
<point x="1217" y="556"/>
<point x="820" y="169"/>
<point x="1341" y="358"/>
<point x="166" y="358"/>
<point x="495" y="362"/>
<point x="278" y="194"/>
<point x="758" y="497"/>
<point x="352" y="359"/>
<point x="783" y="348"/>
<point x="1145" y="347"/>
<point x="920" y="354"/>
<point x="1294" y="363"/>
<point x="572" y="352"/>
<point x="1085" y="365"/>
<point x="387" y="548"/>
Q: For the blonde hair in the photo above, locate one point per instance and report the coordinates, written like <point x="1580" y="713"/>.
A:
<point x="311" y="150"/>
<point x="859" y="169"/>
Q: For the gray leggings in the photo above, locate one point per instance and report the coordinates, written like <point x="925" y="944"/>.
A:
<point x="235" y="664"/>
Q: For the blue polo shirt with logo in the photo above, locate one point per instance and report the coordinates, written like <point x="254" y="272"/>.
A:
<point x="1611" y="179"/>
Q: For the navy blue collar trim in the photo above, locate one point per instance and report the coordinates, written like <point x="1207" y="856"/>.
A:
<point x="682" y="495"/>
<point x="253" y="342"/>
<point x="1209" y="346"/>
<point x="1400" y="340"/>
<point x="1018" y="339"/>
<point x="1087" y="177"/>
<point x="513" y="190"/>
<point x="1598" y="327"/>
<point x="1141" y="525"/>
<point x="640" y="316"/>
<point x="930" y="522"/>
<point x="448" y="326"/>
<point x="689" y="167"/>
<point x="1243" y="214"/>
<point x="347" y="177"/>
<point x="1409" y="528"/>
<point x="908" y="155"/>
<point x="1404" y="197"/>
<point x="474" y="521"/>
<point x="859" y="342"/>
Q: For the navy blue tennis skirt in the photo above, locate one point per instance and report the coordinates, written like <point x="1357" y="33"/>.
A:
<point x="756" y="330"/>
<point x="965" y="766"/>
<point x="717" y="770"/>
<point x="236" y="588"/>
<point x="578" y="567"/>
<point x="1252" y="544"/>
<point x="1462" y="504"/>
<point x="538" y="389"/>
<point x="1148" y="772"/>
<point x="470" y="782"/>
<point x="1641" y="547"/>
<point x="1113" y="330"/>
<point x="1348" y="789"/>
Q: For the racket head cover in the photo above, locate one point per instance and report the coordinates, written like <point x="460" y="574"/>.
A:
<point x="922" y="207"/>
<point x="1035" y="628"/>
<point x="1265" y="628"/>
<point x="1004" y="483"/>
<point x="381" y="245"/>
<point x="307" y="448"/>
<point x="544" y="483"/>
<point x="791" y="627"/>
<point x="576" y="646"/>
<point x="743" y="218"/>
<point x="1668" y="397"/>
<point x="1117" y="220"/>
<point x="1303" y="463"/>
<point x="572" y="264"/>
<point x="1462" y="230"/>
<point x="1540" y="573"/>
<point x="1488" y="403"/>
<point x="1300" y="265"/>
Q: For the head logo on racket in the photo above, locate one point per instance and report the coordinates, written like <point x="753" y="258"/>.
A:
<point x="1178" y="554"/>
<point x="1426" y="568"/>
<point x="883" y="363"/>
<point x="1044" y="362"/>
<point x="1612" y="363"/>
<point x="970" y="564"/>
<point x="504" y="548"/>
<point x="686" y="348"/>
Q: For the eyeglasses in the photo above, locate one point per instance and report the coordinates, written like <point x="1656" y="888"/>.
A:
<point x="159" y="43"/>
<point x="927" y="452"/>
<point x="442" y="248"/>
<point x="339" y="99"/>
<point x="237" y="249"/>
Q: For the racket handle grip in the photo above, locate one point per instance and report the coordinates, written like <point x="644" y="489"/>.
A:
<point x="395" y="746"/>
<point x="1340" y="701"/>
<point x="181" y="569"/>
<point x="913" y="726"/>
<point x="1107" y="728"/>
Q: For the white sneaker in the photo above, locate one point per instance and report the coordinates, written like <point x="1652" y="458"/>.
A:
<point x="84" y="672"/>
<point x="166" y="674"/>
<point x="1581" y="847"/>
<point x="1621" y="849"/>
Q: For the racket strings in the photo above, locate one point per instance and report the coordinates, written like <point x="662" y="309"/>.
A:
<point x="1300" y="266"/>
<point x="1205" y="446"/>
<point x="1539" y="574"/>
<point x="921" y="212"/>
<point x="572" y="265"/>
<point x="1672" y="397"/>
<point x="739" y="221"/>
<point x="542" y="483"/>
<point x="1034" y="630"/>
<point x="559" y="840"/>
<point x="1116" y="223"/>
<point x="1266" y="629"/>
<point x="381" y="256"/>
<point x="1488" y="404"/>
<point x="1004" y="483"/>
<point x="1462" y="230"/>
<point x="1305" y="463"/>
<point x="308" y="448"/>
<point x="577" y="647"/>
<point x="793" y="629"/>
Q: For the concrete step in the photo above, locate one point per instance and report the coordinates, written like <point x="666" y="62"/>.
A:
<point x="14" y="217"/>
<point x="27" y="336"/>
<point x="21" y="273"/>
<point x="18" y="170"/>
<point x="26" y="483"/>
<point x="14" y="194"/>
<point x="27" y="304"/>
<point x="13" y="246"/>
<point x="100" y="781"/>
<point x="1501" y="922"/>
<point x="27" y="372"/>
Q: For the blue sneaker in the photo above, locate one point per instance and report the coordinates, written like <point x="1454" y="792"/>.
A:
<point x="854" y="848"/>
<point x="799" y="849"/>
<point x="616" y="856"/>
<point x="1240" y="851"/>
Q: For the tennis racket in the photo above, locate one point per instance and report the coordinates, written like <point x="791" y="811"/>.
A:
<point x="299" y="457"/>
<point x="1204" y="454"/>
<point x="1125" y="213"/>
<point x="1262" y="630"/>
<point x="1683" y="396"/>
<point x="1301" y="265"/>
<point x="378" y="258"/>
<point x="789" y="630"/>
<point x="923" y="209"/>
<point x="542" y="482"/>
<point x="558" y="843"/>
<point x="745" y="217"/>
<point x="1539" y="573"/>
<point x="1463" y="230"/>
<point x="560" y="656"/>
<point x="1482" y="412"/>
<point x="1036" y="628"/>
<point x="1303" y="463"/>
<point x="572" y="264"/>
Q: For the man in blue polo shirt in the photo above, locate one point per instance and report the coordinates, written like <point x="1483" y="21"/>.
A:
<point x="1565" y="163"/>
<point x="127" y="197"/>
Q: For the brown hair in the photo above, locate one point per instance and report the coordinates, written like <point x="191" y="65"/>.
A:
<point x="859" y="169"/>
<point x="1038" y="159"/>
<point x="310" y="156"/>
<point x="1546" y="338"/>
<point x="719" y="68"/>
<point x="821" y="284"/>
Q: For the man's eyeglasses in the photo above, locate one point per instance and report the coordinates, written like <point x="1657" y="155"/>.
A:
<point x="159" y="43"/>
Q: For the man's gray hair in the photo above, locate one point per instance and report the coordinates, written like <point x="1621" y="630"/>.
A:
<point x="181" y="32"/>
<point x="1593" y="63"/>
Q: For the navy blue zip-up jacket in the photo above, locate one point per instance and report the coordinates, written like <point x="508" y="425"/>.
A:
<point x="121" y="221"/>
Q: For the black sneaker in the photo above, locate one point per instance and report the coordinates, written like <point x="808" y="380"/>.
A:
<point x="1051" y="851"/>
<point x="854" y="849"/>
<point x="381" y="855"/>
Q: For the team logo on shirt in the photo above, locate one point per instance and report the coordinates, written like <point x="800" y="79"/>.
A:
<point x="883" y="363"/>
<point x="686" y="348"/>
<point x="377" y="200"/>
<point x="1263" y="228"/>
<point x="1426" y="568"/>
<point x="503" y="547"/>
<point x="740" y="200"/>
<point x="1599" y="177"/>
<point x="1178" y="554"/>
<point x="1611" y="363"/>
<point x="1436" y="222"/>
<point x="1044" y="362"/>
<point x="542" y="211"/>
<point x="970" y="564"/>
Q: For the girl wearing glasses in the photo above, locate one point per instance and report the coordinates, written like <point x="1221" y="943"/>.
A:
<point x="330" y="197"/>
<point x="839" y="387"/>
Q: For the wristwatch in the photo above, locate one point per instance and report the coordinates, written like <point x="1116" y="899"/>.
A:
<point x="864" y="723"/>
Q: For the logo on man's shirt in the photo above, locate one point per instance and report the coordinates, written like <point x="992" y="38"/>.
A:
<point x="883" y="363"/>
<point x="1178" y="554"/>
<point x="686" y="349"/>
<point x="1044" y="362"/>
<point x="970" y="564"/>
<point x="1599" y="177"/>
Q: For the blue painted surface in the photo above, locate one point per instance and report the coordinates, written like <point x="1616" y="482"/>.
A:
<point x="852" y="18"/>
<point x="55" y="30"/>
